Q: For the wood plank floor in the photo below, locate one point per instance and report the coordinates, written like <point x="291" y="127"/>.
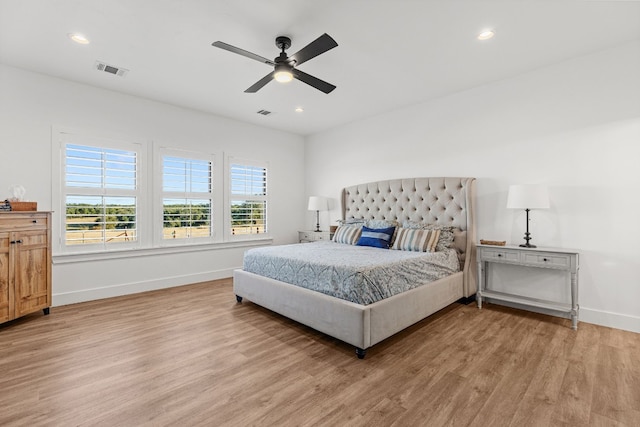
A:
<point x="192" y="356"/>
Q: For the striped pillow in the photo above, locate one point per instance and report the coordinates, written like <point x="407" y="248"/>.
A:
<point x="446" y="233"/>
<point x="347" y="234"/>
<point x="416" y="240"/>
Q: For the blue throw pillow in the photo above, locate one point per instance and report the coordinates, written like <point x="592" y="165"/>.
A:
<point x="376" y="237"/>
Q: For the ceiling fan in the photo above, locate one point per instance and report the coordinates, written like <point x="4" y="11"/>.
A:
<point x="284" y="67"/>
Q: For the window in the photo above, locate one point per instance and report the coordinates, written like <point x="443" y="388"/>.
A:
<point x="187" y="198"/>
<point x="114" y="194"/>
<point x="100" y="195"/>
<point x="248" y="198"/>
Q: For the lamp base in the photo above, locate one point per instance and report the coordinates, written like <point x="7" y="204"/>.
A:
<point x="527" y="235"/>
<point x="317" y="222"/>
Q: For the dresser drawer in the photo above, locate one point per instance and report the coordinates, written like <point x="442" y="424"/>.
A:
<point x="498" y="255"/>
<point x="549" y="260"/>
<point x="24" y="222"/>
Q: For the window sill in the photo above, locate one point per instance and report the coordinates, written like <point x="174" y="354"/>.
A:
<point x="164" y="250"/>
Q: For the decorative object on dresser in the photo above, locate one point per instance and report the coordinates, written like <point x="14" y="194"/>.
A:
<point x="16" y="201"/>
<point x="317" y="203"/>
<point x="23" y="206"/>
<point x="550" y="258"/>
<point x="527" y="197"/>
<point x="25" y="263"/>
<point x="313" y="236"/>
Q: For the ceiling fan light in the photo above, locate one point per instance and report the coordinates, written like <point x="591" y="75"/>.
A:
<point x="283" y="76"/>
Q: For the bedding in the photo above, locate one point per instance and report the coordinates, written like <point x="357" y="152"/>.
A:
<point x="360" y="274"/>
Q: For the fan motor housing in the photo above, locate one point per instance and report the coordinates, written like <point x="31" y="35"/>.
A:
<point x="283" y="42"/>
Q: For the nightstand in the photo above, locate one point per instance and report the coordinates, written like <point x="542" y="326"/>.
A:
<point x="551" y="258"/>
<point x="314" y="236"/>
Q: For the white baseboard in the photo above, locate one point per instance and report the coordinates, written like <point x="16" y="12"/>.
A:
<point x="587" y="315"/>
<point x="611" y="320"/>
<point x="137" y="287"/>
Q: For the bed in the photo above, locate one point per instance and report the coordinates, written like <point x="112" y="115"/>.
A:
<point x="445" y="202"/>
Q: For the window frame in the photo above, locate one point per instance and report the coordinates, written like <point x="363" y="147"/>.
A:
<point x="214" y="196"/>
<point x="60" y="191"/>
<point x="149" y="196"/>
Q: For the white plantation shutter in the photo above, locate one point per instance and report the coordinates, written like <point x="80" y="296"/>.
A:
<point x="187" y="197"/>
<point x="248" y="198"/>
<point x="100" y="193"/>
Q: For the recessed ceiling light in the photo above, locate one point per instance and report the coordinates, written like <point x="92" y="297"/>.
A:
<point x="486" y="35"/>
<point x="78" y="38"/>
<point x="299" y="109"/>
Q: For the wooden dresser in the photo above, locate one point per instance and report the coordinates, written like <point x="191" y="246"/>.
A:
<point x="25" y="263"/>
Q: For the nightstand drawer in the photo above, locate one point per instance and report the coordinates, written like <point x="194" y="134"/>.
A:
<point x="498" y="255"/>
<point x="549" y="260"/>
<point x="304" y="235"/>
<point x="314" y="236"/>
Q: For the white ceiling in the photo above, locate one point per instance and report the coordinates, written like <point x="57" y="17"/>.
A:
<point x="391" y="54"/>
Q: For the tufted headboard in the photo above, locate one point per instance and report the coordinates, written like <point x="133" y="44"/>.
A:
<point x="442" y="201"/>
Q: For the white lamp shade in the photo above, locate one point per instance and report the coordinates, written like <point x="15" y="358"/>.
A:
<point x="317" y="203"/>
<point x="528" y="197"/>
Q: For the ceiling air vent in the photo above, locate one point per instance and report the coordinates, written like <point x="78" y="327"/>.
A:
<point x="116" y="71"/>
<point x="264" y="112"/>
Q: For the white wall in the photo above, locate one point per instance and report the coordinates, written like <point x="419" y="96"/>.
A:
<point x="574" y="126"/>
<point x="30" y="104"/>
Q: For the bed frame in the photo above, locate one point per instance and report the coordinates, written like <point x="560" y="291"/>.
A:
<point x="442" y="201"/>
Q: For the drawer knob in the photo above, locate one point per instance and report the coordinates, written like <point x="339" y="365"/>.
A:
<point x="545" y="259"/>
<point x="35" y="221"/>
<point x="499" y="255"/>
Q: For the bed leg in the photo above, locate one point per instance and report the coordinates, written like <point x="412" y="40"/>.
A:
<point x="238" y="298"/>
<point x="361" y="353"/>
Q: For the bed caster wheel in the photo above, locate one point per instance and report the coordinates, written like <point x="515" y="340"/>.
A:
<point x="361" y="353"/>
<point x="238" y="298"/>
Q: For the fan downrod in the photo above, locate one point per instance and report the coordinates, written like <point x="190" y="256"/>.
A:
<point x="283" y="42"/>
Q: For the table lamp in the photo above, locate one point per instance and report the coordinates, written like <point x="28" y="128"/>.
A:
<point x="527" y="197"/>
<point x="317" y="203"/>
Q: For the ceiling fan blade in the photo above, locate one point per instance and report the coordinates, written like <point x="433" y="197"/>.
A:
<point x="313" y="81"/>
<point x="260" y="83"/>
<point x="313" y="49"/>
<point x="225" y="46"/>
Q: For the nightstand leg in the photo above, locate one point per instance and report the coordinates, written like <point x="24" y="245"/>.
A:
<point x="480" y="282"/>
<point x="574" y="301"/>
